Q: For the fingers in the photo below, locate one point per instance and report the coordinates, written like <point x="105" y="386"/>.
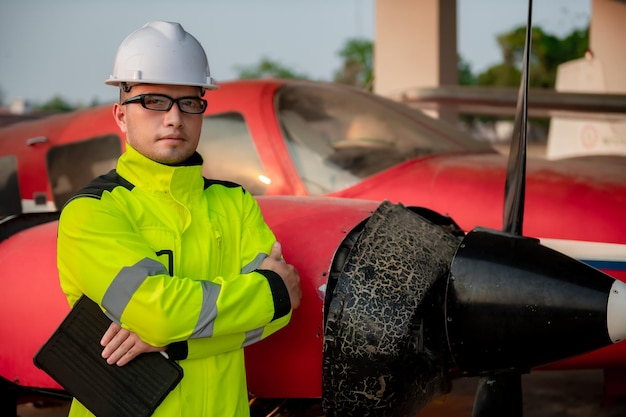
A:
<point x="287" y="272"/>
<point x="121" y="345"/>
<point x="295" y="293"/>
<point x="291" y="278"/>
<point x="277" y="251"/>
<point x="122" y="355"/>
<point x="110" y="334"/>
<point x="274" y="262"/>
<point x="117" y="344"/>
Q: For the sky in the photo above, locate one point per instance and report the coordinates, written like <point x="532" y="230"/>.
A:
<point x="66" y="48"/>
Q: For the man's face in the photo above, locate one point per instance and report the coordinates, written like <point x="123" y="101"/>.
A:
<point x="167" y="137"/>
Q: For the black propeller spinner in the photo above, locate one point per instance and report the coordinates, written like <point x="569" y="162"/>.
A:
<point x="412" y="303"/>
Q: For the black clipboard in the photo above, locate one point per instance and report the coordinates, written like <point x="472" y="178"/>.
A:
<point x="72" y="357"/>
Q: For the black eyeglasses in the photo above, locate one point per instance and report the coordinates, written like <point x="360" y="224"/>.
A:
<point x="161" y="102"/>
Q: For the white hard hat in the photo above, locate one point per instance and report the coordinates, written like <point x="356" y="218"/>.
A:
<point x="161" y="53"/>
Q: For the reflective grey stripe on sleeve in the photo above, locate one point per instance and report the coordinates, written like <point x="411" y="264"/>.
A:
<point x="253" y="336"/>
<point x="255" y="264"/>
<point x="206" y="321"/>
<point x="126" y="283"/>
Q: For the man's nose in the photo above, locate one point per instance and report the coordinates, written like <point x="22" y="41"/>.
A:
<point x="173" y="117"/>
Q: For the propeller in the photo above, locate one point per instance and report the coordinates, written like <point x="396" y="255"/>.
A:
<point x="501" y="393"/>
<point x="413" y="302"/>
<point x="513" y="304"/>
<point x="514" y="189"/>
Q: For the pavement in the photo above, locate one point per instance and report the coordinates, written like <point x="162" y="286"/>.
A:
<point x="545" y="394"/>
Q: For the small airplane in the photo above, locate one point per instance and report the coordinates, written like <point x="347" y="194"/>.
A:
<point x="286" y="137"/>
<point x="321" y="158"/>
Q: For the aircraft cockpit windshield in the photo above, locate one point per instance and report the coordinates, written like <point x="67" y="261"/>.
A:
<point x="71" y="166"/>
<point x="338" y="137"/>
<point x="10" y="200"/>
<point x="229" y="152"/>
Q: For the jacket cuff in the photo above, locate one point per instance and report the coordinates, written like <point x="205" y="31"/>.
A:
<point x="282" y="305"/>
<point x="178" y="350"/>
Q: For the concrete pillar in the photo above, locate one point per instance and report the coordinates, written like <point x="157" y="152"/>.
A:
<point x="607" y="34"/>
<point x="415" y="44"/>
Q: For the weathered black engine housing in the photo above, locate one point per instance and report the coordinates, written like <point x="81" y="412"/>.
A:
<point x="384" y="334"/>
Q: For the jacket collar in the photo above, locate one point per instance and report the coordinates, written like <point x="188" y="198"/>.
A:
<point x="181" y="180"/>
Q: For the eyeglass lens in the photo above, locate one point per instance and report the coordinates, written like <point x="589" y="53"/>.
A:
<point x="164" y="103"/>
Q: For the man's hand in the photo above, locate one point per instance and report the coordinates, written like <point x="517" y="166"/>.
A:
<point x="121" y="345"/>
<point x="287" y="272"/>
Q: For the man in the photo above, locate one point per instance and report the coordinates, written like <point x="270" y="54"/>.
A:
<point x="180" y="263"/>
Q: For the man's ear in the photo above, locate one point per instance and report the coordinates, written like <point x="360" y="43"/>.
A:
<point x="119" y="114"/>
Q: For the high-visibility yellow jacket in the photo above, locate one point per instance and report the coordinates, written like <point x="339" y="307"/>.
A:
<point x="175" y="258"/>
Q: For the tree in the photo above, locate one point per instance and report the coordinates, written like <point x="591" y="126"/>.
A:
<point x="268" y="68"/>
<point x="547" y="53"/>
<point x="56" y="104"/>
<point x="358" y="64"/>
<point x="356" y="69"/>
<point x="466" y="77"/>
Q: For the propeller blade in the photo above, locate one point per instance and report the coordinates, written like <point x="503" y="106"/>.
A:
<point x="516" y="170"/>
<point x="498" y="393"/>
<point x="501" y="394"/>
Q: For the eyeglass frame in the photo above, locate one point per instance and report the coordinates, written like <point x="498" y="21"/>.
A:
<point x="141" y="99"/>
